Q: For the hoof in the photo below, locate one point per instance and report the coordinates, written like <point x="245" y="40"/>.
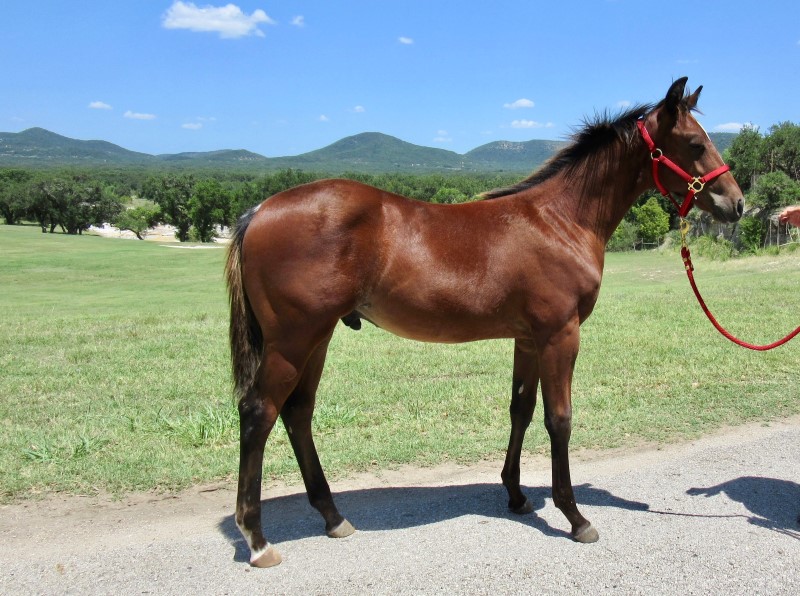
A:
<point x="343" y="530"/>
<point x="587" y="535"/>
<point x="267" y="558"/>
<point x="525" y="508"/>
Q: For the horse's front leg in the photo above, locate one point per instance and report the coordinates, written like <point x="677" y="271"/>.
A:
<point x="525" y="384"/>
<point x="557" y="362"/>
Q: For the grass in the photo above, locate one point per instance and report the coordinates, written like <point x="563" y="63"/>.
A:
<point x="115" y="373"/>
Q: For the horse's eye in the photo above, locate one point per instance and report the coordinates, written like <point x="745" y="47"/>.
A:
<point x="697" y="148"/>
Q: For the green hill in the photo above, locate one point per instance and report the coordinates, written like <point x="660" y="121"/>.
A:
<point x="511" y="156"/>
<point x="374" y="152"/>
<point x="369" y="152"/>
<point x="37" y="146"/>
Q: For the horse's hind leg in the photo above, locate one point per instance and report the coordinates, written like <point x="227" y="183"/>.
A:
<point x="277" y="377"/>
<point x="557" y="363"/>
<point x="523" y="401"/>
<point x="296" y="416"/>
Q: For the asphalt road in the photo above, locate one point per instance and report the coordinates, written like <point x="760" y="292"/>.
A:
<point x="715" y="516"/>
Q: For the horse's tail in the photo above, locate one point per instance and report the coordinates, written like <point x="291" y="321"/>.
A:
<point x="246" y="340"/>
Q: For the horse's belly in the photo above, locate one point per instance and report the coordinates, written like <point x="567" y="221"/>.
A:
<point x="440" y="326"/>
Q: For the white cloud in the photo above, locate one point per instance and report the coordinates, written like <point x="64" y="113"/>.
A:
<point x="406" y="41"/>
<point x="530" y="124"/>
<point x="624" y="104"/>
<point x="299" y="21"/>
<point x="324" y="118"/>
<point x="442" y="136"/>
<point x="138" y="116"/>
<point x="359" y="110"/>
<point x="229" y="20"/>
<point x="192" y="125"/>
<point x="520" y="103"/>
<point x="99" y="105"/>
<point x="729" y="127"/>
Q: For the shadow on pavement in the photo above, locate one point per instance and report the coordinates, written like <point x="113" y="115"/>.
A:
<point x="775" y="504"/>
<point x="392" y="508"/>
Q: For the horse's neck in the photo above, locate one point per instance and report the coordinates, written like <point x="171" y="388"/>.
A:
<point x="598" y="194"/>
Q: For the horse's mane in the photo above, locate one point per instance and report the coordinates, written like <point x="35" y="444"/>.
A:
<point x="586" y="147"/>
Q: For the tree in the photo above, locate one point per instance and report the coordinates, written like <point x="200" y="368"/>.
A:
<point x="172" y="194"/>
<point x="624" y="237"/>
<point x="243" y="198"/>
<point x="14" y="195"/>
<point x="208" y="206"/>
<point x="41" y="207"/>
<point x="744" y="156"/>
<point x="751" y="231"/>
<point x="448" y="195"/>
<point x="782" y="149"/>
<point x="773" y="190"/>
<point x="75" y="203"/>
<point x="138" y="219"/>
<point x="652" y="220"/>
<point x="282" y="180"/>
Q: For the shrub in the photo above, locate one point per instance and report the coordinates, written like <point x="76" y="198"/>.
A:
<point x="716" y="249"/>
<point x="751" y="231"/>
<point x="653" y="221"/>
<point x="624" y="237"/>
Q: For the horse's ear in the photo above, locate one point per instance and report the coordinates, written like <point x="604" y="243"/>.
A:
<point x="691" y="101"/>
<point x="675" y="96"/>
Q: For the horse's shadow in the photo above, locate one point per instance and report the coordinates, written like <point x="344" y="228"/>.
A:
<point x="393" y="508"/>
<point x="774" y="503"/>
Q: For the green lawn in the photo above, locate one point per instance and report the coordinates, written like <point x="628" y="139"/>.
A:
<point x="114" y="370"/>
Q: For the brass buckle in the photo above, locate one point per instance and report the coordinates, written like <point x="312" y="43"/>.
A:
<point x="685" y="226"/>
<point x="696" y="185"/>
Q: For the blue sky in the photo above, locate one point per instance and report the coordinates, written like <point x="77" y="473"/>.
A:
<point x="290" y="76"/>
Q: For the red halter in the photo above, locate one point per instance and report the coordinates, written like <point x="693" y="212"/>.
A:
<point x="696" y="183"/>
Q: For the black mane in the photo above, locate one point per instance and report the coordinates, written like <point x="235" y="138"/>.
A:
<point x="600" y="132"/>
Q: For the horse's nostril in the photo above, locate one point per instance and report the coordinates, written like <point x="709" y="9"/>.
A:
<point x="740" y="207"/>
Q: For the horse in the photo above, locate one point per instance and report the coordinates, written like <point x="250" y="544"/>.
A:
<point x="523" y="263"/>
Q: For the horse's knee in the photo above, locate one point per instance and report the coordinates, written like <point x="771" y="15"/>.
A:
<point x="558" y="424"/>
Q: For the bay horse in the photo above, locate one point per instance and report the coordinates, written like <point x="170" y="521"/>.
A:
<point x="523" y="262"/>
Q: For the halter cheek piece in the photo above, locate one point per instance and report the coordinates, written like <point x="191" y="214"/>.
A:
<point x="695" y="183"/>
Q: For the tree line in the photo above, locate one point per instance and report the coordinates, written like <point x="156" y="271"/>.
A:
<point x="766" y="166"/>
<point x="195" y="204"/>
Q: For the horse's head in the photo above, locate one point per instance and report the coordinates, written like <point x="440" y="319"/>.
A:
<point x="693" y="164"/>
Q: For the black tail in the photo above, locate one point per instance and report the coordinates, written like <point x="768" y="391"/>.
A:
<point x="247" y="343"/>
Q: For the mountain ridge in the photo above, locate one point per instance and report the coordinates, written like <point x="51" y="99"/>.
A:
<point x="368" y="152"/>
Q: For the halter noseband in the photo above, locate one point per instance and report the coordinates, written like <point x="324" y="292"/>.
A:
<point x="695" y="183"/>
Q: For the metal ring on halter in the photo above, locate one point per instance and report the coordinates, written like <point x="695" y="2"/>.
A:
<point x="656" y="154"/>
<point x="696" y="185"/>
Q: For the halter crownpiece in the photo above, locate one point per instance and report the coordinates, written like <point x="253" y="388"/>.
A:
<point x="695" y="183"/>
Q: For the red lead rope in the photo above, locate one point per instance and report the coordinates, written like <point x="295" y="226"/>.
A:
<point x="696" y="184"/>
<point x="687" y="261"/>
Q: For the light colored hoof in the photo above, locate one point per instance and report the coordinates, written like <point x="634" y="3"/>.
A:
<point x="525" y="508"/>
<point x="343" y="530"/>
<point x="587" y="535"/>
<point x="268" y="558"/>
